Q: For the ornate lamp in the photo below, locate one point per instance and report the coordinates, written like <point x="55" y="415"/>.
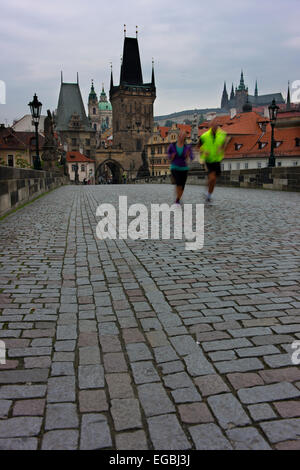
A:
<point x="35" y="109"/>
<point x="273" y="109"/>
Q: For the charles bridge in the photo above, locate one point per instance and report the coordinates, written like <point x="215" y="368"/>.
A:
<point x="141" y="344"/>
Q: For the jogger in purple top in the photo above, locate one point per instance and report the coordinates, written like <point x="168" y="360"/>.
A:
<point x="179" y="154"/>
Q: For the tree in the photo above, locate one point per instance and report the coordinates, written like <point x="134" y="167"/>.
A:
<point x="22" y="163"/>
<point x="169" y="123"/>
<point x="187" y="122"/>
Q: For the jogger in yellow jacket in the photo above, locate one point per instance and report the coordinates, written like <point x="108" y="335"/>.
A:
<point x="212" y="144"/>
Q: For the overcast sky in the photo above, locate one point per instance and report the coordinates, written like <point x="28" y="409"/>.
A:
<point x="196" y="45"/>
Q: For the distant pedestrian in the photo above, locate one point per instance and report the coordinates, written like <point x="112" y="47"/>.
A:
<point x="180" y="153"/>
<point x="212" y="144"/>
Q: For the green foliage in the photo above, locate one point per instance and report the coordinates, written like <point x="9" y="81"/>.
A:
<point x="22" y="163"/>
<point x="168" y="123"/>
<point x="2" y="162"/>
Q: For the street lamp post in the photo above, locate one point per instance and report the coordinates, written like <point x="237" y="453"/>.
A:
<point x="35" y="109"/>
<point x="273" y="109"/>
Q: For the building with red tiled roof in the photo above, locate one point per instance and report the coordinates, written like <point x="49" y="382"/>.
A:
<point x="18" y="148"/>
<point x="157" y="147"/>
<point x="86" y="167"/>
<point x="249" y="143"/>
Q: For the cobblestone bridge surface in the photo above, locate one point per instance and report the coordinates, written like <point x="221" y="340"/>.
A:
<point x="142" y="344"/>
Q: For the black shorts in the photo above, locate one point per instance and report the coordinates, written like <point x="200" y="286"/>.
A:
<point x="214" y="167"/>
<point x="179" y="177"/>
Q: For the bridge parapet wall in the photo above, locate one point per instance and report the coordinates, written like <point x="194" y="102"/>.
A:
<point x="20" y="185"/>
<point x="279" y="178"/>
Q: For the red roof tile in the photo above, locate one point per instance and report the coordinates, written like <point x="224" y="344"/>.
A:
<point x="78" y="157"/>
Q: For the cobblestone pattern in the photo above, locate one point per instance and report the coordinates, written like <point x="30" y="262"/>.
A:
<point x="123" y="344"/>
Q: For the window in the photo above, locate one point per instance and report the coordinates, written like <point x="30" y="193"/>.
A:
<point x="82" y="168"/>
<point x="138" y="145"/>
<point x="94" y="110"/>
<point x="237" y="166"/>
<point x="229" y="166"/>
<point x="297" y="142"/>
<point x="295" y="163"/>
<point x="278" y="143"/>
<point x="237" y="146"/>
<point x="258" y="164"/>
<point x="73" y="168"/>
<point x="95" y="127"/>
<point x="278" y="163"/>
<point x="74" y="141"/>
<point x="10" y="160"/>
<point x="88" y="153"/>
<point x="87" y="142"/>
<point x="222" y="166"/>
<point x="246" y="166"/>
<point x="262" y="145"/>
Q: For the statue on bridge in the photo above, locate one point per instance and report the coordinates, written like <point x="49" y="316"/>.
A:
<point x="50" y="153"/>
<point x="143" y="171"/>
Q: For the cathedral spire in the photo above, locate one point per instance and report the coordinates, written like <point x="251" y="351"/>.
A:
<point x="288" y="100"/>
<point x="224" y="100"/>
<point x="232" y="93"/>
<point x="256" y="90"/>
<point x="242" y="83"/>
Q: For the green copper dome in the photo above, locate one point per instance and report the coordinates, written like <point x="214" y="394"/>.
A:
<point x="105" y="106"/>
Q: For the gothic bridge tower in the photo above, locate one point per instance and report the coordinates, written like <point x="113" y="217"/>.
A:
<point x="132" y="102"/>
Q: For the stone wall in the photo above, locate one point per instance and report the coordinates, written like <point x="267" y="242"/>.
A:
<point x="279" y="178"/>
<point x="20" y="185"/>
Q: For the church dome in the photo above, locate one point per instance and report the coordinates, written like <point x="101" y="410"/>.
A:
<point x="105" y="106"/>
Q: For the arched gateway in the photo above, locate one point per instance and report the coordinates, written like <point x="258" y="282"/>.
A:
<point x="109" y="171"/>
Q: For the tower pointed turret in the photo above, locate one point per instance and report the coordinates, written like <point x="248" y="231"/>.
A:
<point x="152" y="77"/>
<point x="288" y="99"/>
<point x="111" y="79"/>
<point x="92" y="95"/>
<point x="131" y="70"/>
<point x="256" y="90"/>
<point x="224" y="100"/>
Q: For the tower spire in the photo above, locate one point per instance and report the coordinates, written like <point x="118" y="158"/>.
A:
<point x="111" y="78"/>
<point x="242" y="83"/>
<point x="224" y="100"/>
<point x="256" y="90"/>
<point x="61" y="77"/>
<point x="124" y="30"/>
<point x="232" y="93"/>
<point x="136" y="31"/>
<point x="153" y="78"/>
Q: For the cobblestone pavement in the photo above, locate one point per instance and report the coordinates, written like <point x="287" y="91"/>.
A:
<point x="142" y="344"/>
